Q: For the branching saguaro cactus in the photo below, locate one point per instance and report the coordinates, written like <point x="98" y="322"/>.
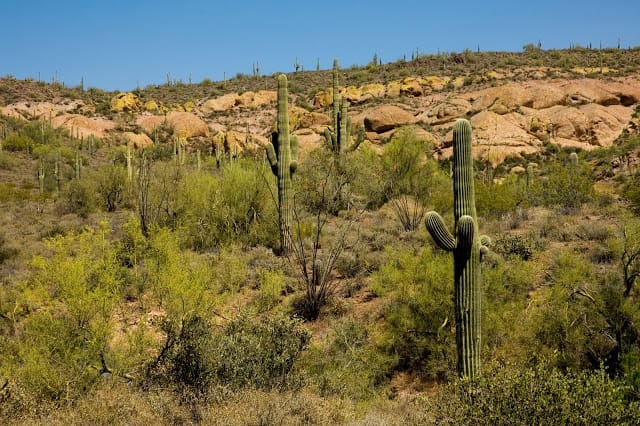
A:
<point x="466" y="246"/>
<point x="282" y="153"/>
<point x="338" y="139"/>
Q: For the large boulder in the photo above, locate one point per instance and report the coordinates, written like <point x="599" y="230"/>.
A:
<point x="137" y="140"/>
<point x="81" y="126"/>
<point x="126" y="102"/>
<point x="150" y="122"/>
<point x="186" y="124"/>
<point x="497" y="137"/>
<point x="386" y="117"/>
<point x="411" y="87"/>
<point x="221" y="103"/>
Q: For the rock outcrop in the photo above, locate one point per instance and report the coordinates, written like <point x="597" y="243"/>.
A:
<point x="386" y="117"/>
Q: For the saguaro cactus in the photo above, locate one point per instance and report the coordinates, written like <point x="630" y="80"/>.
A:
<point x="466" y="246"/>
<point x="282" y="153"/>
<point x="339" y="139"/>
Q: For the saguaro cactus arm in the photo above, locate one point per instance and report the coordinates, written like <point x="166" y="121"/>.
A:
<point x="465" y="231"/>
<point x="439" y="232"/>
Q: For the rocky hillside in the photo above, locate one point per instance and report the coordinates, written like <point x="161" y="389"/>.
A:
<point x="513" y="107"/>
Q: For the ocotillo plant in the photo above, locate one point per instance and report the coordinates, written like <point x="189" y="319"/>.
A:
<point x="466" y="246"/>
<point x="282" y="153"/>
<point x="338" y="140"/>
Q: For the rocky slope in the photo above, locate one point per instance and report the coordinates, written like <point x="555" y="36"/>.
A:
<point x="511" y="113"/>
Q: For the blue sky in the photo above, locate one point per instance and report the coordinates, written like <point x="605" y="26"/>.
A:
<point x="118" y="44"/>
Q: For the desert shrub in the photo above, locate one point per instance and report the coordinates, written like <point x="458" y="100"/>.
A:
<point x="564" y="185"/>
<point x="248" y="352"/>
<point x="7" y="161"/>
<point x="518" y="245"/>
<point x="582" y="318"/>
<point x="498" y="199"/>
<point x="539" y="395"/>
<point x="270" y="286"/>
<point x="6" y="251"/>
<point x="349" y="364"/>
<point x="367" y="184"/>
<point x="419" y="312"/>
<point x="111" y="184"/>
<point x="79" y="197"/>
<point x="505" y="294"/>
<point x="233" y="207"/>
<point x="260" y="352"/>
<point x="16" y="142"/>
<point x="406" y="175"/>
<point x="631" y="192"/>
<point x="182" y="281"/>
<point x="65" y="318"/>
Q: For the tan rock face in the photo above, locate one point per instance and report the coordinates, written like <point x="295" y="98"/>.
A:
<point x="150" y="122"/>
<point x="84" y="126"/>
<point x="221" y="103"/>
<point x="41" y="110"/>
<point x="386" y="117"/>
<point x="517" y="117"/>
<point x="138" y="140"/>
<point x="186" y="124"/>
<point x="257" y="99"/>
<point x="313" y="119"/>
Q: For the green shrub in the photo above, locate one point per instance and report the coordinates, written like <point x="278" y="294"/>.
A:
<point x="564" y="185"/>
<point x="349" y="365"/>
<point x="16" y="142"/>
<point x="541" y="395"/>
<point x="111" y="185"/>
<point x="79" y="197"/>
<point x="419" y="312"/>
<point x="65" y="313"/>
<point x="248" y="352"/>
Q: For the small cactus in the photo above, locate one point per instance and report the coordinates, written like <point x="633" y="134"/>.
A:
<point x="466" y="246"/>
<point x="282" y="153"/>
<point x="129" y="164"/>
<point x="41" y="175"/>
<point x="573" y="159"/>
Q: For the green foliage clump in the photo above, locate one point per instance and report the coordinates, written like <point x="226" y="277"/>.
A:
<point x="539" y="395"/>
<point x="232" y="207"/>
<point x="349" y="365"/>
<point x="567" y="186"/>
<point x="15" y="142"/>
<point x="64" y="318"/>
<point x="248" y="352"/>
<point x="419" y="311"/>
<point x="80" y="197"/>
<point x="111" y="186"/>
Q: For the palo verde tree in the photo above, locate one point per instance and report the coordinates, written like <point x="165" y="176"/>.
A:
<point x="282" y="153"/>
<point x="466" y="246"/>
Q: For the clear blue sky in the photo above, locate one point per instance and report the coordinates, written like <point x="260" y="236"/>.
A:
<point x="117" y="44"/>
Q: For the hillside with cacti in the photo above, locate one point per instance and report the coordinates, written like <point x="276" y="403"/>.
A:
<point x="446" y="239"/>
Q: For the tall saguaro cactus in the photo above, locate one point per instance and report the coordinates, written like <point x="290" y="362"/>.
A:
<point x="282" y="153"/>
<point x="466" y="246"/>
<point x="339" y="139"/>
